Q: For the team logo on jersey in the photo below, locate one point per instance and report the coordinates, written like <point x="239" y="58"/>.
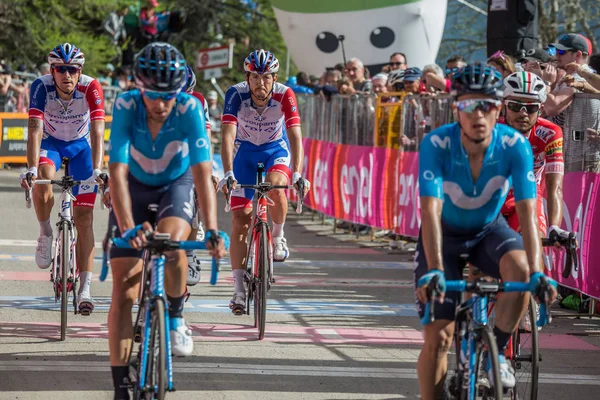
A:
<point x="439" y="142"/>
<point x="201" y="143"/>
<point x="97" y="95"/>
<point x="191" y="103"/>
<point x="554" y="147"/>
<point x="121" y="103"/>
<point x="544" y="133"/>
<point x="530" y="176"/>
<point x="461" y="200"/>
<point x="511" y="140"/>
<point x="428" y="175"/>
<point x="294" y="109"/>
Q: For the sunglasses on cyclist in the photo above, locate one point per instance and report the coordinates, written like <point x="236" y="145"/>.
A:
<point x="517" y="106"/>
<point x="159" y="95"/>
<point x="472" y="105"/>
<point x="62" y="69"/>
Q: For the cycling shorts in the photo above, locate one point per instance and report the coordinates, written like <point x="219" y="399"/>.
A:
<point x="276" y="156"/>
<point x="174" y="200"/>
<point x="484" y="249"/>
<point x="79" y="153"/>
<point x="509" y="211"/>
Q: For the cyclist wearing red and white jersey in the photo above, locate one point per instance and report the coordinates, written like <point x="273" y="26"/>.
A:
<point x="524" y="95"/>
<point x="66" y="119"/>
<point x="260" y="116"/>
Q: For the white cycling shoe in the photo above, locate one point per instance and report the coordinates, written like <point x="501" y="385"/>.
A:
<point x="237" y="304"/>
<point x="43" y="251"/>
<point x="181" y="338"/>
<point x="507" y="373"/>
<point x="193" y="276"/>
<point x="85" y="303"/>
<point x="280" y="249"/>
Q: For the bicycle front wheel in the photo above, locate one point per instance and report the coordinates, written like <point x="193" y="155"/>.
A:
<point x="525" y="358"/>
<point x="156" y="373"/>
<point x="487" y="346"/>
<point x="65" y="260"/>
<point x="263" y="273"/>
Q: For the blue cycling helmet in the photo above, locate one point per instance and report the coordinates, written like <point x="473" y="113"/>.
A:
<point x="66" y="53"/>
<point x="160" y="67"/>
<point x="477" y="78"/>
<point x="262" y="62"/>
<point x="191" y="80"/>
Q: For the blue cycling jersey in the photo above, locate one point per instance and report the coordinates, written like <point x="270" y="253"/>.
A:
<point x="445" y="173"/>
<point x="182" y="141"/>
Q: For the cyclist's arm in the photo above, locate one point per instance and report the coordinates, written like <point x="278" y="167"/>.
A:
<point x="121" y="199"/>
<point x="525" y="189"/>
<point x="35" y="132"/>
<point x="292" y="123"/>
<point x="432" y="200"/>
<point x="229" y="123"/>
<point x="95" y="98"/>
<point x="554" y="183"/>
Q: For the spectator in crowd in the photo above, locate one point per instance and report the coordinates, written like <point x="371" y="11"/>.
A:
<point x="293" y="84"/>
<point x="591" y="82"/>
<point x="5" y="82"/>
<point x="332" y="76"/>
<point x="44" y="68"/>
<point x="452" y="65"/>
<point x="412" y="80"/>
<point x="105" y="76"/>
<point x="397" y="61"/>
<point x="571" y="48"/>
<point x="340" y="67"/>
<point x="344" y="86"/>
<point x="433" y="69"/>
<point x="114" y="25"/>
<point x="123" y="79"/>
<point x="380" y="83"/>
<point x="355" y="70"/>
<point x="215" y="111"/>
<point x="503" y="63"/>
<point x="149" y="22"/>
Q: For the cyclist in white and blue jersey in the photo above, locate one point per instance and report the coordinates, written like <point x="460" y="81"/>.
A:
<point x="465" y="172"/>
<point x="159" y="152"/>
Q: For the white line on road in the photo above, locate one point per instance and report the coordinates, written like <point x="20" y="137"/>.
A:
<point x="279" y="370"/>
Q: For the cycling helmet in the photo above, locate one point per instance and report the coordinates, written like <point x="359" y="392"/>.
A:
<point x="396" y="76"/>
<point x="526" y="85"/>
<point x="66" y="54"/>
<point x="160" y="67"/>
<point x="191" y="80"/>
<point x="477" y="78"/>
<point x="262" y="62"/>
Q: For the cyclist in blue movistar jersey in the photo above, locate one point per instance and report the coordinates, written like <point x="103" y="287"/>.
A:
<point x="466" y="170"/>
<point x="159" y="151"/>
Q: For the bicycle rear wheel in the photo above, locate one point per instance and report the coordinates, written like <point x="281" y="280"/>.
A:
<point x="156" y="373"/>
<point x="525" y="358"/>
<point x="263" y="273"/>
<point x="65" y="258"/>
<point x="487" y="345"/>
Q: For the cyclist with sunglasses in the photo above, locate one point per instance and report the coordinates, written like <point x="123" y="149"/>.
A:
<point x="260" y="124"/>
<point x="159" y="152"/>
<point x="465" y="172"/>
<point x="66" y="119"/>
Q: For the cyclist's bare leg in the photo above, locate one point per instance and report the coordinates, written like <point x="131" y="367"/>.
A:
<point x="176" y="268"/>
<point x="84" y="218"/>
<point x="278" y="212"/>
<point x="433" y="359"/>
<point x="126" y="274"/>
<point x="43" y="198"/>
<point x="510" y="307"/>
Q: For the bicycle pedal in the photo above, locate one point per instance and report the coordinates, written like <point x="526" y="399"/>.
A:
<point x="237" y="310"/>
<point x="86" y="308"/>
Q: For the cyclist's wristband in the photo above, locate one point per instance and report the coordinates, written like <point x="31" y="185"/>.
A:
<point x="33" y="171"/>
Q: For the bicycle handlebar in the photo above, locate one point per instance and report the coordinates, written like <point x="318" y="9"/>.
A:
<point x="264" y="188"/>
<point x="483" y="287"/>
<point x="64" y="183"/>
<point x="570" y="245"/>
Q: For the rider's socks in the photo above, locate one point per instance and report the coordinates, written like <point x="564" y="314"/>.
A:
<point x="502" y="339"/>
<point x="45" y="227"/>
<point x="120" y="376"/>
<point x="238" y="280"/>
<point x="85" y="279"/>
<point x="176" y="306"/>
<point x="277" y="230"/>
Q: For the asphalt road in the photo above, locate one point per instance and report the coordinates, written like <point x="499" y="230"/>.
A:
<point x="341" y="325"/>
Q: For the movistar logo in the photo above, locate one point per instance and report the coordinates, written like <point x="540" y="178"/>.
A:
<point x="511" y="140"/>
<point x="121" y="103"/>
<point x="182" y="108"/>
<point x="439" y="142"/>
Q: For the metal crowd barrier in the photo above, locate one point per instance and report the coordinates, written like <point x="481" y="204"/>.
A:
<point x="581" y="143"/>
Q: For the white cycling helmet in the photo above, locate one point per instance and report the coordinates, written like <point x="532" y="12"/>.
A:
<point x="396" y="76"/>
<point x="525" y="84"/>
<point x="66" y="54"/>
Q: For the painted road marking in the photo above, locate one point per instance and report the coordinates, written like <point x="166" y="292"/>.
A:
<point x="226" y="278"/>
<point x="272" y="370"/>
<point x="291" y="306"/>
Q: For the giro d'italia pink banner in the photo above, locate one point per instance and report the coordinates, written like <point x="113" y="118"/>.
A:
<point x="379" y="187"/>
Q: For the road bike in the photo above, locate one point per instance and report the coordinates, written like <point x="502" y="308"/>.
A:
<point x="64" y="272"/>
<point x="258" y="276"/>
<point x="473" y="337"/>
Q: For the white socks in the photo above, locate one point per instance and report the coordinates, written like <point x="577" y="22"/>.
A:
<point x="45" y="227"/>
<point x="86" y="279"/>
<point x="238" y="281"/>
<point x="278" y="229"/>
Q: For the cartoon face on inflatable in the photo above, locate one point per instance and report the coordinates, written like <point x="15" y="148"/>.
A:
<point x="372" y="31"/>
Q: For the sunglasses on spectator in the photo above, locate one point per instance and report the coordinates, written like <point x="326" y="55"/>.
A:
<point x="472" y="105"/>
<point x="517" y="106"/>
<point x="451" y="70"/>
<point x="62" y="69"/>
<point x="159" y="95"/>
<point x="563" y="52"/>
<point x="393" y="64"/>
